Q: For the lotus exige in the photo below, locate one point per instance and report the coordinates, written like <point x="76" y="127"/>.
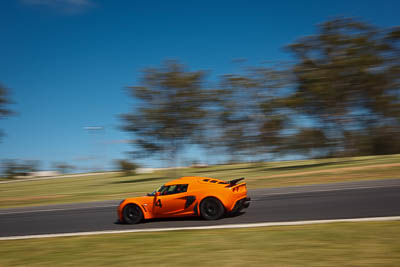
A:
<point x="187" y="196"/>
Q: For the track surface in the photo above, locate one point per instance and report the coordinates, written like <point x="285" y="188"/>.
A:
<point x="335" y="201"/>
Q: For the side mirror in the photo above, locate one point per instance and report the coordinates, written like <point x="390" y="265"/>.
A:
<point x="157" y="194"/>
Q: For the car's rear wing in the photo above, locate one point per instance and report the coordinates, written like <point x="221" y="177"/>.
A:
<point x="236" y="183"/>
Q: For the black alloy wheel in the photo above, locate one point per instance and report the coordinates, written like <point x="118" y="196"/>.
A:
<point x="132" y="214"/>
<point x="211" y="209"/>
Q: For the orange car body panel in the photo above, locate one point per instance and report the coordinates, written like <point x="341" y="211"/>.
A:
<point x="176" y="205"/>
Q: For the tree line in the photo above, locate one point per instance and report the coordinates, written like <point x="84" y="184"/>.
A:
<point x="338" y="96"/>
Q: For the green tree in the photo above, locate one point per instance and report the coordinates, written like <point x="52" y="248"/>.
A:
<point x="170" y="110"/>
<point x="10" y="169"/>
<point x="236" y="116"/>
<point x="15" y="168"/>
<point x="345" y="81"/>
<point x="250" y="121"/>
<point x="126" y="166"/>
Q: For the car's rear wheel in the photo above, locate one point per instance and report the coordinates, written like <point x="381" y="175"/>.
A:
<point x="132" y="214"/>
<point x="211" y="209"/>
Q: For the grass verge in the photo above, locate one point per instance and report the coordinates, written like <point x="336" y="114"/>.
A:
<point x="267" y="174"/>
<point x="336" y="244"/>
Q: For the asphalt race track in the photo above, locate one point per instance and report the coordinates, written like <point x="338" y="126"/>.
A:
<point x="317" y="202"/>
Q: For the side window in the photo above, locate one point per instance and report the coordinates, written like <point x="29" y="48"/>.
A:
<point x="171" y="189"/>
<point x="174" y="189"/>
<point x="183" y="188"/>
<point x="180" y="188"/>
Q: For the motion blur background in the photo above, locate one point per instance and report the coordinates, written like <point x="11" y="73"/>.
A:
<point x="92" y="85"/>
<point x="300" y="97"/>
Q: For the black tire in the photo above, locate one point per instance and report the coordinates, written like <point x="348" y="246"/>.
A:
<point x="132" y="214"/>
<point x="211" y="209"/>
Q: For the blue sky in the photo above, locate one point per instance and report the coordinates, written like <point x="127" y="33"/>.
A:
<point x="67" y="61"/>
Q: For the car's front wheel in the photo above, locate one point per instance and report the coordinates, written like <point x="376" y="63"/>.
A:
<point x="211" y="209"/>
<point x="132" y="214"/>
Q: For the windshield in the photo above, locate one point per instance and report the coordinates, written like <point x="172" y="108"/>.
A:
<point x="160" y="189"/>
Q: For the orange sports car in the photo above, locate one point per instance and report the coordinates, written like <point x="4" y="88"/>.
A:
<point x="187" y="196"/>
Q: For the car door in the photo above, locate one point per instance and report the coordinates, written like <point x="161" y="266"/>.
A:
<point x="171" y="201"/>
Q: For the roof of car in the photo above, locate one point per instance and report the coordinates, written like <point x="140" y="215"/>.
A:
<point x="191" y="179"/>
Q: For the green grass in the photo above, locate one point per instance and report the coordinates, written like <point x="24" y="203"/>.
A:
<point x="258" y="175"/>
<point x="337" y="244"/>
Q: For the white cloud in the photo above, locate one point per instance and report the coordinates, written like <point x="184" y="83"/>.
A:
<point x="63" y="6"/>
